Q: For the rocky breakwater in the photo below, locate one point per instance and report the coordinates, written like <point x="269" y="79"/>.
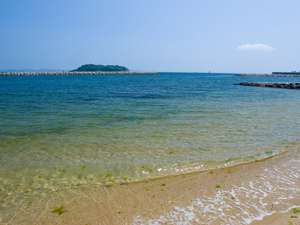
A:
<point x="272" y="85"/>
<point x="73" y="73"/>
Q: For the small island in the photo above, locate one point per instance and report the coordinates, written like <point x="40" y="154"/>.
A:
<point x="100" y="68"/>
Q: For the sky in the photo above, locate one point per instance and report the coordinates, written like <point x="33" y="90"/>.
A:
<point x="151" y="35"/>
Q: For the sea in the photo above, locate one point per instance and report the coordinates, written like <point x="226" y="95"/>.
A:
<point x="59" y="132"/>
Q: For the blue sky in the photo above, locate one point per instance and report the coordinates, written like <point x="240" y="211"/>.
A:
<point x="156" y="35"/>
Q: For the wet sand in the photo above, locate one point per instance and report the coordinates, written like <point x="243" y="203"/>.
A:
<point x="280" y="219"/>
<point x="259" y="193"/>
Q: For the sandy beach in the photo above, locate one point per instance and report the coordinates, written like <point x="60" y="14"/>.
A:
<point x="260" y="193"/>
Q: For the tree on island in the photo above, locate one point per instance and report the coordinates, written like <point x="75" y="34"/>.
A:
<point x="101" y="68"/>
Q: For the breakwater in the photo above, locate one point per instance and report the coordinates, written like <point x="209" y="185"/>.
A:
<point x="60" y="73"/>
<point x="274" y="74"/>
<point x="272" y="85"/>
<point x="286" y="73"/>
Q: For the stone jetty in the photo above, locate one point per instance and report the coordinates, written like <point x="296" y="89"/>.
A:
<point x="59" y="73"/>
<point x="294" y="73"/>
<point x="272" y="85"/>
<point x="273" y="74"/>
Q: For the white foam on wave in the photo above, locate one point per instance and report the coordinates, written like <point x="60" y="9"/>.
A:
<point x="271" y="192"/>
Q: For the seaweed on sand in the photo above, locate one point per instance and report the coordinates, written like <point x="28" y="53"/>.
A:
<point x="218" y="186"/>
<point x="125" y="180"/>
<point x="269" y="152"/>
<point x="296" y="210"/>
<point x="147" y="169"/>
<point x="109" y="179"/>
<point x="59" y="210"/>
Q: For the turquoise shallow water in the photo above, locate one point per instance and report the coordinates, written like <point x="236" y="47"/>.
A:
<point x="62" y="131"/>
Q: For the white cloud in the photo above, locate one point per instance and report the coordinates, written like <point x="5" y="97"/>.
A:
<point x="255" y="47"/>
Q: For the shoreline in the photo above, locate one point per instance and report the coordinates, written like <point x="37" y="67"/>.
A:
<point x="72" y="73"/>
<point x="224" y="179"/>
<point x="181" y="199"/>
<point x="232" y="165"/>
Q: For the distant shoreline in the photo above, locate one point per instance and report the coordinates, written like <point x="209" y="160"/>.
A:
<point x="68" y="73"/>
<point x="270" y="74"/>
<point x="72" y="73"/>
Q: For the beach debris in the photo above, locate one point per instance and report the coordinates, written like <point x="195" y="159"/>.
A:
<point x="59" y="210"/>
